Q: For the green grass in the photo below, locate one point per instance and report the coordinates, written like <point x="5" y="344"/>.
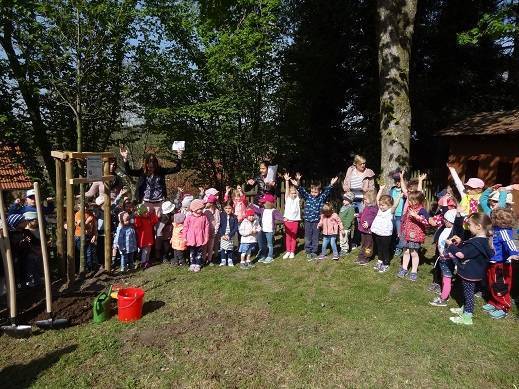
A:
<point x="291" y="324"/>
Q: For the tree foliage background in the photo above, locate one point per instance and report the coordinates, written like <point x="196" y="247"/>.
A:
<point x="294" y="81"/>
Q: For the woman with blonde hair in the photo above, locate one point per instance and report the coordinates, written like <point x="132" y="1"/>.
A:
<point x="358" y="180"/>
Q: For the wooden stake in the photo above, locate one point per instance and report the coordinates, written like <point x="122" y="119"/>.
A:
<point x="44" y="252"/>
<point x="59" y="218"/>
<point x="107" y="219"/>
<point x="71" y="265"/>
<point x="11" y="290"/>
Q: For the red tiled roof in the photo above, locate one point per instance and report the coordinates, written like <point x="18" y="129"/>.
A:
<point x="12" y="173"/>
<point x="486" y="123"/>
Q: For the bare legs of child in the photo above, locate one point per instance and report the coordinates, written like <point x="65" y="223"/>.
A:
<point x="410" y="255"/>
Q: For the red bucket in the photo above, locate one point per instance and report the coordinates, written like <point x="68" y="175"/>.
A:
<point x="129" y="304"/>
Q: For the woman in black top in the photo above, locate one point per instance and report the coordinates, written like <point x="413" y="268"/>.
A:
<point x="151" y="186"/>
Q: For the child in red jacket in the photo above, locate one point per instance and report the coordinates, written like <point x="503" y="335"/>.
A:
<point x="144" y="223"/>
<point x="414" y="223"/>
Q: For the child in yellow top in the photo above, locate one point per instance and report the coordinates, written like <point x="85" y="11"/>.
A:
<point x="470" y="192"/>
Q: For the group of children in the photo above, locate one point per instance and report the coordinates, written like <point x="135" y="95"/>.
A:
<point x="474" y="234"/>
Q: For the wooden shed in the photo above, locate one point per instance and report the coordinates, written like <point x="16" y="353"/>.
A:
<point x="486" y="145"/>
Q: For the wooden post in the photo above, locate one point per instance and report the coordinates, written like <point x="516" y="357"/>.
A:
<point x="107" y="219"/>
<point x="59" y="218"/>
<point x="8" y="261"/>
<point x="71" y="265"/>
<point x="82" y="242"/>
<point x="44" y="252"/>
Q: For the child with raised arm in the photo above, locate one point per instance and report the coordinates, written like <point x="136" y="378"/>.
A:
<point x="292" y="217"/>
<point x="365" y="221"/>
<point x="414" y="223"/>
<point x="239" y="201"/>
<point x="469" y="191"/>
<point x="382" y="228"/>
<point x="314" y="201"/>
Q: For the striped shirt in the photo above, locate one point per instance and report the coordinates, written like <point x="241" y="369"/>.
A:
<point x="356" y="184"/>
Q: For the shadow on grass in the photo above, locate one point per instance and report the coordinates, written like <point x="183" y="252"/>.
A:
<point x="152" y="306"/>
<point x="23" y="375"/>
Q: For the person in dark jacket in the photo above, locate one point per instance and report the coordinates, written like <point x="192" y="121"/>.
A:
<point x="227" y="231"/>
<point x="151" y="186"/>
<point x="472" y="258"/>
<point x="261" y="184"/>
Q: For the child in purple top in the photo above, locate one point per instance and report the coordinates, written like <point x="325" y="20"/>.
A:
<point x="366" y="219"/>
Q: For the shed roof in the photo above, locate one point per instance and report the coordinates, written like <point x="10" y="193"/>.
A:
<point x="485" y="123"/>
<point x="13" y="174"/>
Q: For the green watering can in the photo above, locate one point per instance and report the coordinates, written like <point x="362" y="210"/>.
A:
<point x="101" y="307"/>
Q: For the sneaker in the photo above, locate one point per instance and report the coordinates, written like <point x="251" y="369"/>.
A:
<point x="438" y="302"/>
<point x="335" y="257"/>
<point x="196" y="268"/>
<point x="478" y="295"/>
<point x="363" y="262"/>
<point x="261" y="260"/>
<point x="291" y="256"/>
<point x="433" y="287"/>
<point x="250" y="265"/>
<point x="287" y="254"/>
<point x="322" y="257"/>
<point x="230" y="263"/>
<point x="243" y="265"/>
<point x="145" y="265"/>
<point x="488" y="308"/>
<point x="413" y="276"/>
<point x="401" y="273"/>
<point x="356" y="262"/>
<point x="191" y="268"/>
<point x="268" y="260"/>
<point x="354" y="247"/>
<point x="398" y="253"/>
<point x="383" y="268"/>
<point x="313" y="255"/>
<point x="222" y="263"/>
<point x="465" y="319"/>
<point x="498" y="314"/>
<point x="377" y="265"/>
<point x="457" y="311"/>
<point x="309" y="257"/>
<point x="165" y="260"/>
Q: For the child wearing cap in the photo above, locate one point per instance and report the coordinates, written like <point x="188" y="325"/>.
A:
<point x="178" y="243"/>
<point x="249" y="229"/>
<point x="268" y="215"/>
<point x="314" y="201"/>
<point x="292" y="217"/>
<point x="213" y="215"/>
<point x="470" y="192"/>
<point x="145" y="221"/>
<point x="347" y="215"/>
<point x="196" y="233"/>
<point x="497" y="196"/>
<point x="164" y="232"/>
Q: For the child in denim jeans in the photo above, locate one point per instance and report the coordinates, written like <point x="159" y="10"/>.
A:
<point x="126" y="242"/>
<point x="269" y="215"/>
<point x="331" y="225"/>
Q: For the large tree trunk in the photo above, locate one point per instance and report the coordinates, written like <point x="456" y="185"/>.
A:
<point x="396" y="25"/>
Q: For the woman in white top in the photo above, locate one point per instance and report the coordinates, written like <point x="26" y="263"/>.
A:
<point x="382" y="229"/>
<point x="358" y="180"/>
<point x="292" y="217"/>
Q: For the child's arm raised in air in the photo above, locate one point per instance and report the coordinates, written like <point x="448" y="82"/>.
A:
<point x="302" y="191"/>
<point x="421" y="179"/>
<point x="287" y="186"/>
<point x="403" y="185"/>
<point x="380" y="191"/>
<point x="457" y="181"/>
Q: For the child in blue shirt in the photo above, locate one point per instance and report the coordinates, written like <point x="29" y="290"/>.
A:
<point x="126" y="241"/>
<point x="314" y="201"/>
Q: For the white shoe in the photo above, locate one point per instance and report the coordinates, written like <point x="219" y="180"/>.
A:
<point x="222" y="263"/>
<point x="230" y="263"/>
<point x="291" y="255"/>
<point x="287" y="254"/>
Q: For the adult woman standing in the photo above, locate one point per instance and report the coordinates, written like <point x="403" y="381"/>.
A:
<point x="358" y="180"/>
<point x="151" y="186"/>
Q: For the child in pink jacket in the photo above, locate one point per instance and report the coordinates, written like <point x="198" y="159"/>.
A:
<point x="331" y="225"/>
<point x="196" y="233"/>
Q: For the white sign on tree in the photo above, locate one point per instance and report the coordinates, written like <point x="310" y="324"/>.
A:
<point x="94" y="168"/>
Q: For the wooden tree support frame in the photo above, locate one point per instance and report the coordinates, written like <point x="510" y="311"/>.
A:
<point x="66" y="159"/>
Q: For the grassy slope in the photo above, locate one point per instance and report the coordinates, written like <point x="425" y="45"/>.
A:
<point x="291" y="324"/>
